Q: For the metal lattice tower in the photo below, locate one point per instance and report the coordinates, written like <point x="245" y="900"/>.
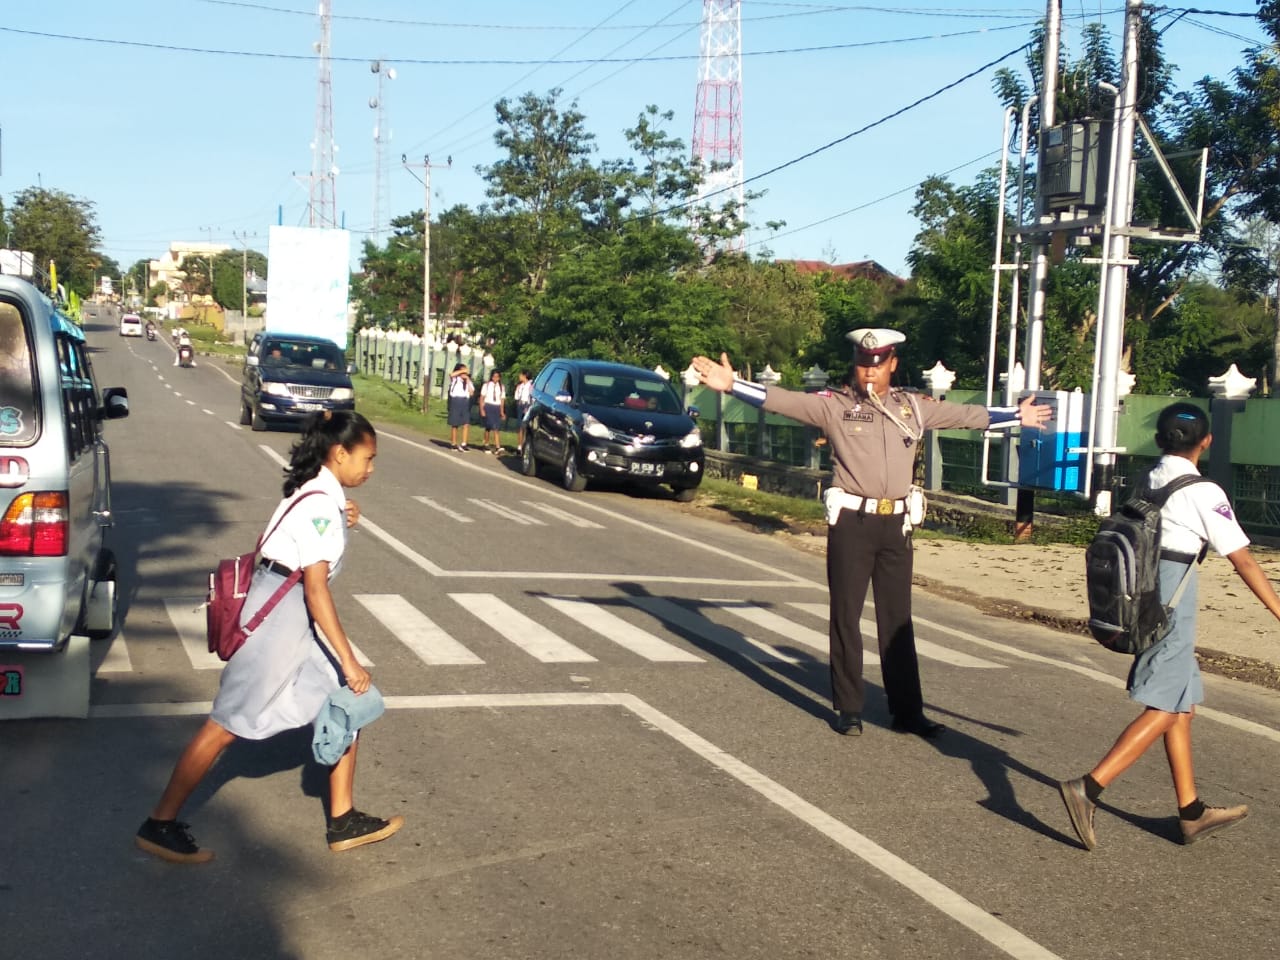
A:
<point x="322" y="209"/>
<point x="717" y="119"/>
<point x="380" y="136"/>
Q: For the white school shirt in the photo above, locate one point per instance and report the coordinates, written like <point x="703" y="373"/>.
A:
<point x="524" y="392"/>
<point x="461" y="388"/>
<point x="1196" y="514"/>
<point x="314" y="530"/>
<point x="491" y="393"/>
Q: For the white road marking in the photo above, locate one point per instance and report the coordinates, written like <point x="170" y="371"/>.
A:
<point x="114" y="656"/>
<point x="530" y="636"/>
<point x="272" y="454"/>
<point x="761" y="617"/>
<point x="188" y="617"/>
<point x="209" y="412"/>
<point x="176" y="393"/>
<point x="160" y="378"/>
<point x="441" y="508"/>
<point x="415" y="630"/>
<point x="627" y="635"/>
<point x="936" y="894"/>
<point x="191" y="403"/>
<point x="506" y="512"/>
<point x="563" y="515"/>
<point x="233" y="426"/>
<point x="678" y="616"/>
<point x="925" y="648"/>
<point x="413" y="556"/>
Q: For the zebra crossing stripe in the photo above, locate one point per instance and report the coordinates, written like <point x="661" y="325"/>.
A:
<point x="619" y="631"/>
<point x="563" y="515"/>
<point x="441" y="508"/>
<point x="676" y="615"/>
<point x="530" y="636"/>
<point x="814" y="639"/>
<point x="506" y="512"/>
<point x="188" y="618"/>
<point x="925" y="648"/>
<point x="415" y="630"/>
<point x="114" y="659"/>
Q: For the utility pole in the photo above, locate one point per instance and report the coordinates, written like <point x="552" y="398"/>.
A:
<point x="1116" y="265"/>
<point x="1033" y="351"/>
<point x="243" y="239"/>
<point x="429" y="330"/>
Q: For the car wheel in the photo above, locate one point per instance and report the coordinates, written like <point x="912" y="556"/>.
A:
<point x="685" y="494"/>
<point x="104" y="573"/>
<point x="570" y="478"/>
<point x="528" y="462"/>
<point x="258" y="423"/>
<point x="246" y="414"/>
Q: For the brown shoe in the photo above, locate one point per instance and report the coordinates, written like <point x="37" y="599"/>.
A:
<point x="1080" y="809"/>
<point x="1213" y="818"/>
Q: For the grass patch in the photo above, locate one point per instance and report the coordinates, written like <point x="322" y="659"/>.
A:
<point x="772" y="509"/>
<point x="380" y="399"/>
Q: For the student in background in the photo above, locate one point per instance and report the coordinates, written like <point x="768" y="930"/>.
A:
<point x="493" y="410"/>
<point x="524" y="400"/>
<point x="461" y="390"/>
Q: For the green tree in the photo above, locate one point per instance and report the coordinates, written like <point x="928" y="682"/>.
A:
<point x="845" y="304"/>
<point x="229" y="268"/>
<point x="136" y="277"/>
<point x="772" y="313"/>
<point x="58" y="227"/>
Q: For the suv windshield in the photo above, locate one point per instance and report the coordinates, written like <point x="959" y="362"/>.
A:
<point x="302" y="353"/>
<point x="628" y="392"/>
<point x="17" y="380"/>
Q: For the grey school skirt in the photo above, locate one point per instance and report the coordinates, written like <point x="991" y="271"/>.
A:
<point x="282" y="676"/>
<point x="459" y="411"/>
<point x="1167" y="676"/>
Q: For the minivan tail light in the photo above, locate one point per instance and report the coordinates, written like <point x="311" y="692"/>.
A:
<point x="36" y="525"/>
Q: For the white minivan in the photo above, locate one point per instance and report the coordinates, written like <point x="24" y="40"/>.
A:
<point x="131" y="325"/>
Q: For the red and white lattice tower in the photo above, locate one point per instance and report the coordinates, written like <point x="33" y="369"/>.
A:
<point x="717" y="118"/>
<point x="323" y="206"/>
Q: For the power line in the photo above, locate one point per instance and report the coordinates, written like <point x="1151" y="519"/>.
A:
<point x="861" y="130"/>
<point x="807" y="10"/>
<point x="871" y="203"/>
<point x="495" y="62"/>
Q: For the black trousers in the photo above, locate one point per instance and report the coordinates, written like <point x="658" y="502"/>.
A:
<point x="867" y="549"/>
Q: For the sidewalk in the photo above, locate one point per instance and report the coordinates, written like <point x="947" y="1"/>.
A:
<point x="1046" y="583"/>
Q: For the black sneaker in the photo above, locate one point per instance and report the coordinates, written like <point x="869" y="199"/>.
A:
<point x="361" y="829"/>
<point x="847" y="724"/>
<point x="170" y="840"/>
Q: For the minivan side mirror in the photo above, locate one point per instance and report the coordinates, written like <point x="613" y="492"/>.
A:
<point x="115" y="404"/>
<point x="693" y="412"/>
<point x="250" y="360"/>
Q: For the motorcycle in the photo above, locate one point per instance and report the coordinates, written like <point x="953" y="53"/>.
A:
<point x="151" y="331"/>
<point x="185" y="356"/>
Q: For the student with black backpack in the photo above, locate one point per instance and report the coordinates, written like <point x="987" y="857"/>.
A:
<point x="1165" y="677"/>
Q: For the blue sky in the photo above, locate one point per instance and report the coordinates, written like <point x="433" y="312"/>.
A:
<point x="184" y="145"/>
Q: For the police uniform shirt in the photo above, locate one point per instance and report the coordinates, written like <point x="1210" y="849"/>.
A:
<point x="1197" y="514"/>
<point x="314" y="530"/>
<point x="870" y="454"/>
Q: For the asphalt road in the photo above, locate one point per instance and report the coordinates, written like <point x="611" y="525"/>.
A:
<point x="609" y="737"/>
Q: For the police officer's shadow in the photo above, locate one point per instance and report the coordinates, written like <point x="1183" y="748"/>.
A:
<point x="258" y="759"/>
<point x="806" y="685"/>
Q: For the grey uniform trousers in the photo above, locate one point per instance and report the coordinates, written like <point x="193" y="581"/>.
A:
<point x="867" y="549"/>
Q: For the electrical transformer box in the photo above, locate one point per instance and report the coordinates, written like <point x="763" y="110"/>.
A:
<point x="1050" y="458"/>
<point x="1073" y="164"/>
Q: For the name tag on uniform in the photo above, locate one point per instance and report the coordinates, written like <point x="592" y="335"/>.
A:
<point x="863" y="417"/>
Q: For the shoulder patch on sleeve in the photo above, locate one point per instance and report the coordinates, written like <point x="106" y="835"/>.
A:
<point x="1224" y="510"/>
<point x="321" y="524"/>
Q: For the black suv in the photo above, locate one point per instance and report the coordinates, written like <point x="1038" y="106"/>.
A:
<point x="599" y="420"/>
<point x="288" y="376"/>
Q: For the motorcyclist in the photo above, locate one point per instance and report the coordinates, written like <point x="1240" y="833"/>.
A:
<point x="151" y="330"/>
<point x="184" y="340"/>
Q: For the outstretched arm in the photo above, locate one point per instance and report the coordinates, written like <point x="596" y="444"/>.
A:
<point x="1255" y="578"/>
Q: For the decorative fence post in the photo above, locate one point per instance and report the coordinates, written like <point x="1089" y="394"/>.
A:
<point x="1229" y="392"/>
<point x="939" y="380"/>
<point x="767" y="377"/>
<point x="815" y="379"/>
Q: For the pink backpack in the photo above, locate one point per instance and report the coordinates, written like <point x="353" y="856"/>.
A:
<point x="228" y="588"/>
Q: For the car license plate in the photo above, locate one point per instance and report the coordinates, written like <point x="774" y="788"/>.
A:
<point x="308" y="406"/>
<point x="648" y="469"/>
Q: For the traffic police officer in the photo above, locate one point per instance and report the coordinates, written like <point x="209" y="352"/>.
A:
<point x="874" y="431"/>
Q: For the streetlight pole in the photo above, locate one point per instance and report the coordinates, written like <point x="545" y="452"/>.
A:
<point x="428" y="331"/>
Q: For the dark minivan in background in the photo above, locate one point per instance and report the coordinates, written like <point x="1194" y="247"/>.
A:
<point x="591" y="419"/>
<point x="288" y="376"/>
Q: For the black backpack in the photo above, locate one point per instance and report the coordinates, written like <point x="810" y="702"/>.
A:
<point x="1122" y="572"/>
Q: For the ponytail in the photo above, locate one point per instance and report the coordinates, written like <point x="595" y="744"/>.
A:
<point x="321" y="432"/>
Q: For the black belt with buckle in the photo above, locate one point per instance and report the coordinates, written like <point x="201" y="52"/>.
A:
<point x="275" y="567"/>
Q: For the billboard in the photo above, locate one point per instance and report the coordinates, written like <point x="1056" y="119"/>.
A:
<point x="307" y="289"/>
<point x="18" y="263"/>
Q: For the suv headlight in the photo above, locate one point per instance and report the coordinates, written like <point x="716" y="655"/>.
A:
<point x="594" y="428"/>
<point x="273" y="389"/>
<point x="342" y="393"/>
<point x="692" y="439"/>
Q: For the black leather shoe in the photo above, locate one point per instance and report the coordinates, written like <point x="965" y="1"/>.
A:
<point x="848" y="724"/>
<point x="920" y="725"/>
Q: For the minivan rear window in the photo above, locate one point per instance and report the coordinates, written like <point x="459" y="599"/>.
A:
<point x="18" y="406"/>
